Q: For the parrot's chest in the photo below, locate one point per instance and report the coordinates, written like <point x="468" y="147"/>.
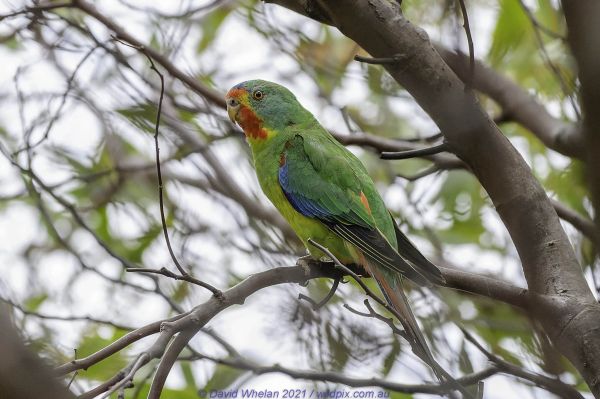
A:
<point x="268" y="177"/>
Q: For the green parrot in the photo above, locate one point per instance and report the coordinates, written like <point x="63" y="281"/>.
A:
<point x="326" y="195"/>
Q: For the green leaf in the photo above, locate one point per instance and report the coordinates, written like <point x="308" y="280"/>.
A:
<point x="33" y="303"/>
<point x="142" y="116"/>
<point x="137" y="247"/>
<point x="223" y="377"/>
<point x="463" y="200"/>
<point x="390" y="358"/>
<point x="569" y="185"/>
<point x="512" y="27"/>
<point x="188" y="375"/>
<point x="340" y="353"/>
<point x="91" y="343"/>
<point x="11" y="42"/>
<point x="210" y="27"/>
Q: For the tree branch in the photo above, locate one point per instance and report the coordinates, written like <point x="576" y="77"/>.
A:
<point x="486" y="286"/>
<point x="584" y="39"/>
<point x="555" y="386"/>
<point x="518" y="105"/>
<point x="328" y="376"/>
<point x="187" y="324"/>
<point x="209" y="94"/>
<point x="580" y="222"/>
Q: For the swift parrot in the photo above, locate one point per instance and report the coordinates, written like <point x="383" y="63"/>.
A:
<point x="326" y="195"/>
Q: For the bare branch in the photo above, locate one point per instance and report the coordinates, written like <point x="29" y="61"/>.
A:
<point x="486" y="286"/>
<point x="65" y="318"/>
<point x="116" y="346"/>
<point x="37" y="9"/>
<point x="518" y="105"/>
<point x="380" y="61"/>
<point x="322" y="302"/>
<point x="328" y="376"/>
<point x="163" y="220"/>
<point x="189" y="323"/>
<point x="184" y="277"/>
<point x="553" y="385"/>
<point x="467" y="28"/>
<point x="580" y="222"/>
<point x="167" y="361"/>
<point x="584" y="39"/>
<point x="436" y="149"/>
<point x="122" y="34"/>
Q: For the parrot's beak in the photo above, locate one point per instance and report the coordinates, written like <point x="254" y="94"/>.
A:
<point x="233" y="106"/>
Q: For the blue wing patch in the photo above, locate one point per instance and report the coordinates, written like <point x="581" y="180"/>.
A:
<point x="299" y="202"/>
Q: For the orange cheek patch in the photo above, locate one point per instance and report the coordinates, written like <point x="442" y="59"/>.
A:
<point x="365" y="202"/>
<point x="251" y="124"/>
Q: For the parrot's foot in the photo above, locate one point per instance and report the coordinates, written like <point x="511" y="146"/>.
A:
<point x="305" y="262"/>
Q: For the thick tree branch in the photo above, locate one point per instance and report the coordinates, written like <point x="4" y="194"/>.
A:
<point x="584" y="38"/>
<point x="518" y="105"/>
<point x="486" y="286"/>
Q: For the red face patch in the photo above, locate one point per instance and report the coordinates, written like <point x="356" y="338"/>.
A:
<point x="247" y="119"/>
<point x="251" y="123"/>
<point x="236" y="93"/>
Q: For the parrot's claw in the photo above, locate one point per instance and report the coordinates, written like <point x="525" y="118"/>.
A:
<point x="305" y="263"/>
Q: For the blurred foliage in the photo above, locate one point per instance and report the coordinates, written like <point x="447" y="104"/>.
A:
<point x="101" y="163"/>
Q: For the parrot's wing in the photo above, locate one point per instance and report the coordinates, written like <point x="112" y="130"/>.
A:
<point x="325" y="185"/>
<point x="413" y="255"/>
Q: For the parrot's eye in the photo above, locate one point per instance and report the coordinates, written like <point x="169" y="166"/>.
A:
<point x="258" y="95"/>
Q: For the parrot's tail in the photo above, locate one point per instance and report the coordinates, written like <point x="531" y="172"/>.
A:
<point x="396" y="298"/>
<point x="394" y="295"/>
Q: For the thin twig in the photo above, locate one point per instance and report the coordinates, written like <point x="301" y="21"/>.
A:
<point x="537" y="24"/>
<point x="184" y="277"/>
<point x="373" y="314"/>
<point x="183" y="272"/>
<point x="436" y="149"/>
<point x="38" y="9"/>
<point x="333" y="377"/>
<point x="381" y="60"/>
<point x="26" y="312"/>
<point x="463" y="9"/>
<point x="128" y="379"/>
<point x="553" y="385"/>
<point x="421" y="174"/>
<point x="580" y="222"/>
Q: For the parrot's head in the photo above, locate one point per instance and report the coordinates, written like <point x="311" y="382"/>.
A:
<point x="262" y="108"/>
